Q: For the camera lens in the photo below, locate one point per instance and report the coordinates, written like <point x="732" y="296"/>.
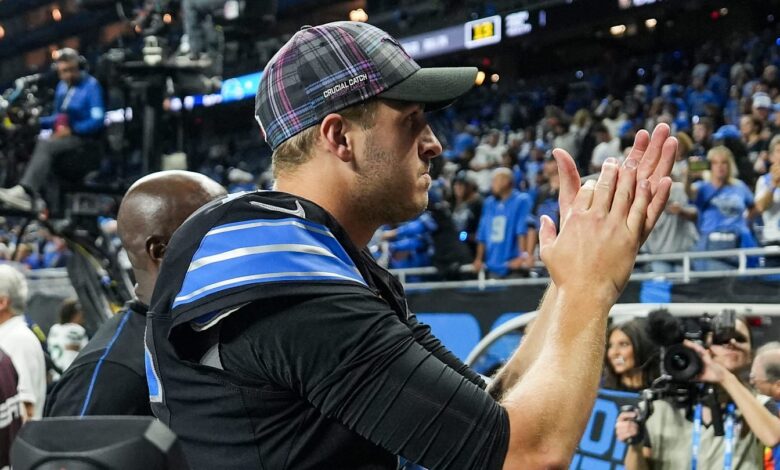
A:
<point x="682" y="364"/>
<point x="679" y="361"/>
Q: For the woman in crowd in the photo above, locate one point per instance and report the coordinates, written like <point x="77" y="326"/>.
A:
<point x="670" y="431"/>
<point x="768" y="198"/>
<point x="631" y="362"/>
<point x="724" y="205"/>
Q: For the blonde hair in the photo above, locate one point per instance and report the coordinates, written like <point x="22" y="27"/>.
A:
<point x="297" y="150"/>
<point x="726" y="152"/>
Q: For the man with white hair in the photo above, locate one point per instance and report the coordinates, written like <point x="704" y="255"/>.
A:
<point x="20" y="343"/>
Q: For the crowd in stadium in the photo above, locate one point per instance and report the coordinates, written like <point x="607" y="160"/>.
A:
<point x="498" y="176"/>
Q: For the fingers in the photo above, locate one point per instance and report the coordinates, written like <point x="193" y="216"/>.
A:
<point x="569" y="179"/>
<point x="626" y="184"/>
<point x="547" y="232"/>
<point x="638" y="212"/>
<point x="605" y="187"/>
<point x="666" y="162"/>
<point x="641" y="141"/>
<point x="584" y="197"/>
<point x="657" y="205"/>
<point x="652" y="155"/>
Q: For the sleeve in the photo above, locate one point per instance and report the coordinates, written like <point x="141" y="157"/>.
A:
<point x="30" y="367"/>
<point x="524" y="215"/>
<point x="116" y="390"/>
<point x="422" y="334"/>
<point x="375" y="379"/>
<point x="702" y="195"/>
<point x="96" y="113"/>
<point x="482" y="228"/>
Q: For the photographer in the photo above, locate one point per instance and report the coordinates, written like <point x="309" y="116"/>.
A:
<point x="671" y="432"/>
<point x="76" y="123"/>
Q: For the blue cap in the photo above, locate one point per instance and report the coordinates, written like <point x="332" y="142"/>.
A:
<point x="726" y="132"/>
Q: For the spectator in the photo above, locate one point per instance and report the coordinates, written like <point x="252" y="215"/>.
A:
<point x="21" y="344"/>
<point x="631" y="358"/>
<point x="502" y="229"/>
<point x="723" y="204"/>
<point x="545" y="203"/>
<point x="765" y="378"/>
<point x="608" y="146"/>
<point x="487" y="158"/>
<point x="68" y="337"/>
<point x="411" y="245"/>
<point x="467" y="209"/>
<point x="699" y="97"/>
<point x="768" y="198"/>
<point x="702" y="136"/>
<point x="11" y="406"/>
<point x="751" y="129"/>
<point x="669" y="430"/>
<point x="762" y="105"/>
<point x="765" y="372"/>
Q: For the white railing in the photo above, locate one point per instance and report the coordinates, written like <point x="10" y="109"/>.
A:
<point x="687" y="274"/>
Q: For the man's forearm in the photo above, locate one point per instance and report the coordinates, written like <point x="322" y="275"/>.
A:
<point x="763" y="424"/>
<point x="526" y="354"/>
<point x="549" y="408"/>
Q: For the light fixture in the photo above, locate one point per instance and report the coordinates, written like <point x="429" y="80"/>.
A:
<point x="651" y="23"/>
<point x="494" y="78"/>
<point x="56" y="14"/>
<point x="358" y="15"/>
<point x="167" y="18"/>
<point x="618" y="30"/>
<point x="480" y="78"/>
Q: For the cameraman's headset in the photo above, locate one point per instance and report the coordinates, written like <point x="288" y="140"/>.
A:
<point x="70" y="54"/>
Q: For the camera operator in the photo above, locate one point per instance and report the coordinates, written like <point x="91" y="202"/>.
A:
<point x="77" y="122"/>
<point x="671" y="432"/>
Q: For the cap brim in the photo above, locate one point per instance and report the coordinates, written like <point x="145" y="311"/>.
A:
<point x="435" y="87"/>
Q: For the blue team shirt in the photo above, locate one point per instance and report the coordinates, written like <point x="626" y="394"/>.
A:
<point x="84" y="108"/>
<point x="726" y="210"/>
<point x="501" y="223"/>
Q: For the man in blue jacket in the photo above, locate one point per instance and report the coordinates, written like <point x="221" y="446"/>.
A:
<point x="77" y="121"/>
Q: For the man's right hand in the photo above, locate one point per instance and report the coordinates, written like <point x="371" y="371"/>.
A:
<point x="605" y="222"/>
<point x="625" y="426"/>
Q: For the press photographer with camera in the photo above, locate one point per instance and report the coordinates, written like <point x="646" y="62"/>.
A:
<point x="710" y="421"/>
<point x="76" y="124"/>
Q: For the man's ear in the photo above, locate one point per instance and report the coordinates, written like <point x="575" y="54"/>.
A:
<point x="155" y="248"/>
<point x="334" y="133"/>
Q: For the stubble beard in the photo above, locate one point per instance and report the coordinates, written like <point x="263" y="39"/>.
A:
<point x="382" y="197"/>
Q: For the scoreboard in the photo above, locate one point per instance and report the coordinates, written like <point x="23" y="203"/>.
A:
<point x="482" y="32"/>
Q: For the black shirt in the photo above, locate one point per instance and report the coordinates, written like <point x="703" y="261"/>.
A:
<point x="303" y="373"/>
<point x="107" y="377"/>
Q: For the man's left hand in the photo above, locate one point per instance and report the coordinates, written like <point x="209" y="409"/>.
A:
<point x="63" y="131"/>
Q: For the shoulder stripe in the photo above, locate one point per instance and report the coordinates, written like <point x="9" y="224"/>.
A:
<point x="264" y="251"/>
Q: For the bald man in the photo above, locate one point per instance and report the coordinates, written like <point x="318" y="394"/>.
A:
<point x="765" y="373"/>
<point x="108" y="376"/>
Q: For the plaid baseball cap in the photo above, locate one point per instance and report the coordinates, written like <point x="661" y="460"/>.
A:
<point x="323" y="69"/>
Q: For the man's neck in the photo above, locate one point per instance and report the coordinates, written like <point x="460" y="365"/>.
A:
<point x="334" y="202"/>
<point x="5" y="316"/>
<point x="505" y="196"/>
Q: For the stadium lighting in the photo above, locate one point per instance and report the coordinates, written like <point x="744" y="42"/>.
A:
<point x="480" y="78"/>
<point x="2" y="32"/>
<point x="358" y="15"/>
<point x="724" y="11"/>
<point x="167" y="18"/>
<point x="495" y="78"/>
<point x="56" y="14"/>
<point x="651" y="23"/>
<point x="618" y="30"/>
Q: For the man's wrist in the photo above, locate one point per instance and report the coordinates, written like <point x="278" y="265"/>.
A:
<point x="587" y="296"/>
<point x="729" y="380"/>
